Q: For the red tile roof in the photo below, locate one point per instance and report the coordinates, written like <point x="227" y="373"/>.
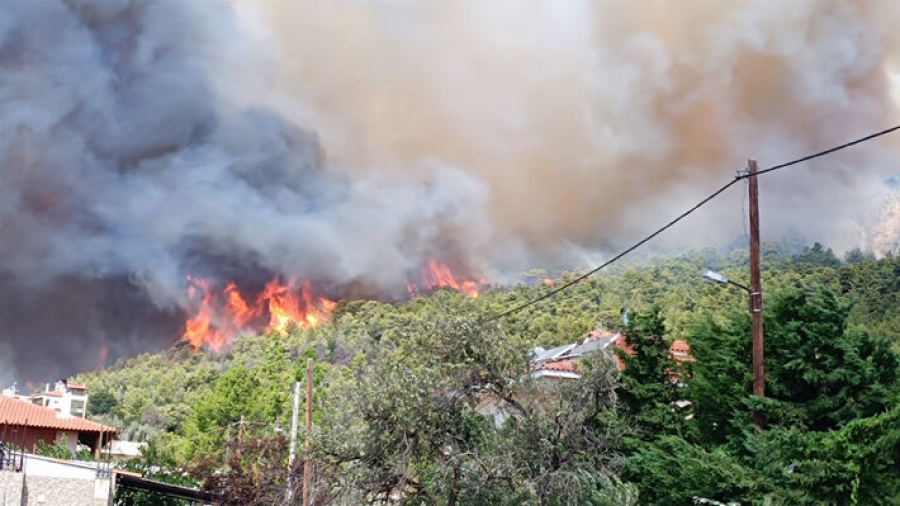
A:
<point x="681" y="351"/>
<point x="16" y="412"/>
<point x="679" y="345"/>
<point x="622" y="343"/>
<point x="567" y="365"/>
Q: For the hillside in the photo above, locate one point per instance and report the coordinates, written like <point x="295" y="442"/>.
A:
<point x="191" y="406"/>
<point x="882" y="233"/>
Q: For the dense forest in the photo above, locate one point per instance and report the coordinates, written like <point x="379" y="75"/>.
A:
<point x="396" y="386"/>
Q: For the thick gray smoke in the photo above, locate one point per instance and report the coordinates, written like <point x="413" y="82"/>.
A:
<point x="125" y="169"/>
<point x="591" y="121"/>
<point x="347" y="142"/>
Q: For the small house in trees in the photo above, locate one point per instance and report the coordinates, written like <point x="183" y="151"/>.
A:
<point x="561" y="363"/>
<point x="551" y="367"/>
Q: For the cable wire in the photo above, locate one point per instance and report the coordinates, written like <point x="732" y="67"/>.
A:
<point x="823" y="153"/>
<point x="619" y="255"/>
<point x="683" y="215"/>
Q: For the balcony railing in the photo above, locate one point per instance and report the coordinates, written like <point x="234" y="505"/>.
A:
<point x="10" y="458"/>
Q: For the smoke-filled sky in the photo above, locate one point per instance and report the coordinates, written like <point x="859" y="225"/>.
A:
<point x="349" y="141"/>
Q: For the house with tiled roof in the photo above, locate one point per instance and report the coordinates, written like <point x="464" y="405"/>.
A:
<point x="550" y="367"/>
<point x="561" y="363"/>
<point x="65" y="396"/>
<point x="681" y="351"/>
<point x="24" y="424"/>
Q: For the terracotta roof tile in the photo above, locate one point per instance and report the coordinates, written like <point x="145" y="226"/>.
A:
<point x="622" y="343"/>
<point x="679" y="345"/>
<point x="681" y="351"/>
<point x="16" y="412"/>
<point x="568" y="365"/>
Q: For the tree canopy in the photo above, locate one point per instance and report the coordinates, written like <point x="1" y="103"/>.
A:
<point x="401" y="389"/>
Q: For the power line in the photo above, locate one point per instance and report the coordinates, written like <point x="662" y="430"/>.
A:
<point x="823" y="153"/>
<point x="621" y="254"/>
<point x="683" y="215"/>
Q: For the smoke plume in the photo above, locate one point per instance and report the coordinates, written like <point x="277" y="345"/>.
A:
<point x="347" y="142"/>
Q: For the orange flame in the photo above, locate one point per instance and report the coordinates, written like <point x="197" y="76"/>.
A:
<point x="220" y="319"/>
<point x="101" y="361"/>
<point x="286" y="305"/>
<point x="437" y="275"/>
<point x="198" y="330"/>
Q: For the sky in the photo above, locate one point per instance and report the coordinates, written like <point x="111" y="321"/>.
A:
<point x="349" y="142"/>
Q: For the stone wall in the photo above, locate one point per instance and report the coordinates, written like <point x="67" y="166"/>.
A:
<point x="50" y="491"/>
<point x="10" y="488"/>
<point x="50" y="482"/>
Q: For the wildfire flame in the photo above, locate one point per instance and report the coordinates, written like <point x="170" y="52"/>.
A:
<point x="101" y="361"/>
<point x="220" y="318"/>
<point x="437" y="275"/>
<point x="221" y="315"/>
<point x="287" y="304"/>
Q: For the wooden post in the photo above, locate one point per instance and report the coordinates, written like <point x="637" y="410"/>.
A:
<point x="240" y="443"/>
<point x="307" y="464"/>
<point x="99" y="447"/>
<point x="759" y="378"/>
<point x="293" y="449"/>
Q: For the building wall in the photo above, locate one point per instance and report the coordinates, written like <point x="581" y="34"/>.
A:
<point x="37" y="465"/>
<point x="70" y="438"/>
<point x="45" y="481"/>
<point x="52" y="482"/>
<point x="26" y="437"/>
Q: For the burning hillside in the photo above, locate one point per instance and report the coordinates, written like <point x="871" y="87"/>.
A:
<point x="221" y="315"/>
<point x="243" y="163"/>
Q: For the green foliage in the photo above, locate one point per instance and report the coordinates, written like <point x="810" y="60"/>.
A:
<point x="829" y="435"/>
<point x="856" y="464"/>
<point x="875" y="286"/>
<point x="399" y="387"/>
<point x="562" y="444"/>
<point x="721" y="376"/>
<point x="154" y="467"/>
<point x="249" y="390"/>
<point x="56" y="450"/>
<point x="163" y="387"/>
<point x="102" y="403"/>
<point x="403" y="422"/>
<point x="821" y="372"/>
<point x="818" y="255"/>
<point x="672" y="471"/>
<point x="653" y="382"/>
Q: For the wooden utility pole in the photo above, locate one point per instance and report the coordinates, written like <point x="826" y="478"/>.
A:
<point x="759" y="378"/>
<point x="307" y="464"/>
